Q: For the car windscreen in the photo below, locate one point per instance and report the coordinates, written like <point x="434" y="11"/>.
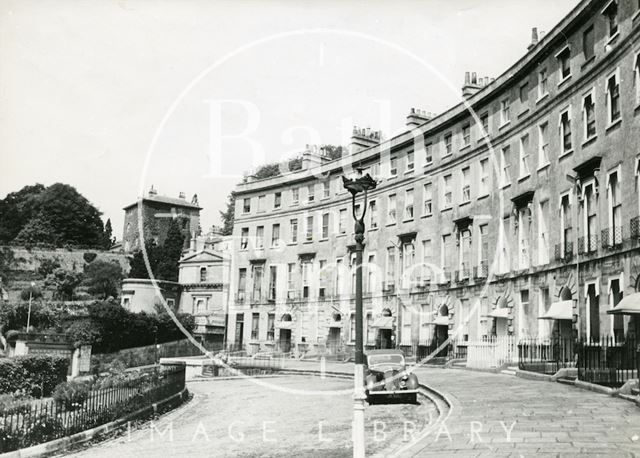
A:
<point x="375" y="360"/>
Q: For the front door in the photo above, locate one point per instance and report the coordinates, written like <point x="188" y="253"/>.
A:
<point x="239" y="334"/>
<point x="285" y="340"/>
<point x="442" y="334"/>
<point x="384" y="338"/>
<point x="333" y="342"/>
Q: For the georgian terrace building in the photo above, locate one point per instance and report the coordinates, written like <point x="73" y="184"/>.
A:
<point x="521" y="203"/>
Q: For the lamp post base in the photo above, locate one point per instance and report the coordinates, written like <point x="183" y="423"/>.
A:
<point x="359" y="397"/>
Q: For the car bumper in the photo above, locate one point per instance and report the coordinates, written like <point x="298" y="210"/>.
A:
<point x="394" y="393"/>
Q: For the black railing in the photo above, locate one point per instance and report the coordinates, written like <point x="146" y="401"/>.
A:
<point x="564" y="253"/>
<point x="46" y="419"/>
<point x="608" y="362"/>
<point x="634" y="227"/>
<point x="587" y="244"/>
<point x="611" y="237"/>
<point x="481" y="271"/>
<point x="546" y="356"/>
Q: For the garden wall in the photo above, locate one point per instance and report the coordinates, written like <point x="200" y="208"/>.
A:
<point x="143" y="356"/>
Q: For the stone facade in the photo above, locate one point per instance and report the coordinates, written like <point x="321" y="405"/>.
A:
<point x="157" y="213"/>
<point x="523" y="196"/>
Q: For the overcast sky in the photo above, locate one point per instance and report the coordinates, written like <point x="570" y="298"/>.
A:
<point x="85" y="85"/>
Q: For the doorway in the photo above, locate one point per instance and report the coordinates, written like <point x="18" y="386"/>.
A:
<point x="333" y="342"/>
<point x="285" y="340"/>
<point x="593" y="313"/>
<point x="239" y="331"/>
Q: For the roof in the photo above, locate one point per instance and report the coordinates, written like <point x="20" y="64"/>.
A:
<point x="202" y="256"/>
<point x="173" y="201"/>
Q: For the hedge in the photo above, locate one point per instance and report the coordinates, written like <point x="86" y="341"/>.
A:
<point x="33" y="375"/>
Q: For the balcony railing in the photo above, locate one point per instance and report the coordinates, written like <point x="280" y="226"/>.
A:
<point x="240" y="297"/>
<point x="462" y="274"/>
<point x="611" y="237"/>
<point x="587" y="244"/>
<point x="634" y="226"/>
<point x="481" y="271"/>
<point x="564" y="253"/>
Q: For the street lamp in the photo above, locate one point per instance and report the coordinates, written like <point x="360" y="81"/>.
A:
<point x="29" y="312"/>
<point x="357" y="185"/>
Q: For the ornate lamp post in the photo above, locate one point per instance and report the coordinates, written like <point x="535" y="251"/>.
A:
<point x="355" y="186"/>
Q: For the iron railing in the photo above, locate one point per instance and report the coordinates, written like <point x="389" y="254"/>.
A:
<point x="481" y="271"/>
<point x="611" y="237"/>
<point x="46" y="419"/>
<point x="564" y="253"/>
<point x="634" y="227"/>
<point x="587" y="244"/>
<point x="606" y="361"/>
<point x="546" y="356"/>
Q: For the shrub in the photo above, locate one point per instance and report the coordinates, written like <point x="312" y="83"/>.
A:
<point x="47" y="266"/>
<point x="35" y="375"/>
<point x="15" y="403"/>
<point x="89" y="257"/>
<point x="72" y="394"/>
<point x="32" y="291"/>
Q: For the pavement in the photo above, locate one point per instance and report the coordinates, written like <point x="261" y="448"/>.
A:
<point x="491" y="415"/>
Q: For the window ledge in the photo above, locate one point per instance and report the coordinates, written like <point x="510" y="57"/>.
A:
<point x="307" y="241"/>
<point x="564" y="80"/>
<point x="426" y="216"/>
<point x="466" y="202"/>
<point x="503" y="125"/>
<point x="612" y="39"/>
<point x="482" y="196"/>
<point x="505" y="185"/>
<point x="325" y="198"/>
<point x="409" y="171"/>
<point x="614" y="124"/>
<point x="343" y="234"/>
<point x="292" y="243"/>
<point x="543" y="166"/>
<point x="589" y="140"/>
<point x="295" y="204"/>
<point x="524" y="177"/>
<point x="428" y="164"/>
<point x="392" y="177"/>
<point x="390" y="224"/>
<point x="565" y="154"/>
<point x="465" y="147"/>
<point x="324" y="239"/>
<point x="407" y="220"/>
<point x="276" y="208"/>
<point x="542" y="97"/>
<point x="445" y="209"/>
<point x="523" y="113"/>
<point x="446" y="155"/>
<point x="373" y="228"/>
<point x="587" y="62"/>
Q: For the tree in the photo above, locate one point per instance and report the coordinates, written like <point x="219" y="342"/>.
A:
<point x="170" y="253"/>
<point x="7" y="262"/>
<point x="228" y="215"/>
<point x="137" y="264"/>
<point x="57" y="215"/>
<point x="109" y="239"/>
<point x="103" y="278"/>
<point x="47" y="266"/>
<point x="16" y="209"/>
<point x="65" y="282"/>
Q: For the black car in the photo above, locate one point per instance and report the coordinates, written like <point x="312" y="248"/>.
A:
<point x="387" y="378"/>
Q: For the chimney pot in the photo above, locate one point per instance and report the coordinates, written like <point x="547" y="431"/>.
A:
<point x="466" y="78"/>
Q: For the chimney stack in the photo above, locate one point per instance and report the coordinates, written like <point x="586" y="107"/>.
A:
<point x="534" y="38"/>
<point x="473" y="83"/>
<point x="364" y="138"/>
<point x="181" y="195"/>
<point x="152" y="192"/>
<point x="417" y="117"/>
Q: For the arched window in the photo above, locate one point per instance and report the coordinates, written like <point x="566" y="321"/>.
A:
<point x="203" y="274"/>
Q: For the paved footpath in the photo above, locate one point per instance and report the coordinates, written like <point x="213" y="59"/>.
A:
<point x="497" y="415"/>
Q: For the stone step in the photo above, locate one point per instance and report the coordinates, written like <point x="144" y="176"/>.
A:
<point x="567" y="380"/>
<point x="508" y="372"/>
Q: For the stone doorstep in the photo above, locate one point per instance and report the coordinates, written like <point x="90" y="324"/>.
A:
<point x="59" y="445"/>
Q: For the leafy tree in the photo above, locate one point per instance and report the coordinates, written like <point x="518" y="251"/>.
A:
<point x="228" y="215"/>
<point x="109" y="239"/>
<point x="16" y="209"/>
<point x="65" y="282"/>
<point x="334" y="152"/>
<point x="14" y="316"/>
<point x="47" y="266"/>
<point x="7" y="262"/>
<point x="38" y="231"/>
<point x="137" y="264"/>
<point x="170" y="253"/>
<point x="32" y="292"/>
<point x="103" y="278"/>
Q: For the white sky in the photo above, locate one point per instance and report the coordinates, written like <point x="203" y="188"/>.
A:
<point x="84" y="85"/>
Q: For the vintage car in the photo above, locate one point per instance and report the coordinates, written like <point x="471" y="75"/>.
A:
<point x="387" y="379"/>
